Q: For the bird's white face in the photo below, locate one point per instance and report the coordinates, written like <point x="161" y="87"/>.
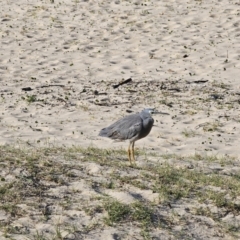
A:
<point x="151" y="110"/>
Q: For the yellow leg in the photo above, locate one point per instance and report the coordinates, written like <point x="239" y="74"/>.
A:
<point x="129" y="153"/>
<point x="133" y="154"/>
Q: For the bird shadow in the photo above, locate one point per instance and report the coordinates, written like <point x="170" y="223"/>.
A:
<point x="137" y="196"/>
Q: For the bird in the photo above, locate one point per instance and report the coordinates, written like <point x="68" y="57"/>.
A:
<point x="131" y="127"/>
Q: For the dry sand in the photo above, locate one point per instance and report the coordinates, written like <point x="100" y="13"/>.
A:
<point x="183" y="58"/>
<point x="166" y="47"/>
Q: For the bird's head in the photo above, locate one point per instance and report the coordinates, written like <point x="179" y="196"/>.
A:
<point x="150" y="110"/>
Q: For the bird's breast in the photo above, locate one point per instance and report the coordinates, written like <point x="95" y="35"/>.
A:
<point x="146" y="127"/>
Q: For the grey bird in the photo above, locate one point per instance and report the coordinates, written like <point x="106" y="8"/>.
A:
<point x="132" y="127"/>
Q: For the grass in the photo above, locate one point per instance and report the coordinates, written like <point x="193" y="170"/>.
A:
<point x="45" y="175"/>
<point x="189" y="133"/>
<point x="31" y="98"/>
<point x="117" y="212"/>
<point x="212" y="126"/>
<point x="137" y="212"/>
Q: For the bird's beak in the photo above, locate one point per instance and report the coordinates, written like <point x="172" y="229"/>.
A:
<point x="155" y="111"/>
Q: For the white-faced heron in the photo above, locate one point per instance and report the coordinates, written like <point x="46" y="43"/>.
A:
<point x="132" y="127"/>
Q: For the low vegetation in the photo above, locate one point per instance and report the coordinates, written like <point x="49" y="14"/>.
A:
<point x="46" y="184"/>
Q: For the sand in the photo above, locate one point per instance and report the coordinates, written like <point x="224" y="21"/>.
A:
<point x="183" y="59"/>
<point x="59" y="61"/>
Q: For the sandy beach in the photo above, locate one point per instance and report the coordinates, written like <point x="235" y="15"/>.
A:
<point x="60" y="59"/>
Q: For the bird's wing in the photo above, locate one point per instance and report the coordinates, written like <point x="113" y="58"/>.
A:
<point x="134" y="130"/>
<point x="126" y="128"/>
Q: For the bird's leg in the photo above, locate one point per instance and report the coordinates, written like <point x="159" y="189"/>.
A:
<point x="133" y="154"/>
<point x="129" y="153"/>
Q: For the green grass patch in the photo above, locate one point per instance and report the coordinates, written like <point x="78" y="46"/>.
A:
<point x="34" y="172"/>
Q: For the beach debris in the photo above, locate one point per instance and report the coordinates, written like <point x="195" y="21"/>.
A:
<point x="129" y="111"/>
<point x="201" y="81"/>
<point x="174" y="89"/>
<point x="51" y="85"/>
<point x="27" y="89"/>
<point x="122" y="82"/>
<point x="216" y="96"/>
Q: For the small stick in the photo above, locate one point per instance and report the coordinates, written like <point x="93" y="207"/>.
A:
<point x="123" y="82"/>
<point x="51" y="85"/>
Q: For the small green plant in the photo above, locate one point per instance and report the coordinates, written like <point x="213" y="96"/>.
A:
<point x="117" y="212"/>
<point x="58" y="234"/>
<point x="39" y="236"/>
<point x="31" y="98"/>
<point x="142" y="213"/>
<point x="189" y="133"/>
<point x="212" y="126"/>
<point x="111" y="185"/>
